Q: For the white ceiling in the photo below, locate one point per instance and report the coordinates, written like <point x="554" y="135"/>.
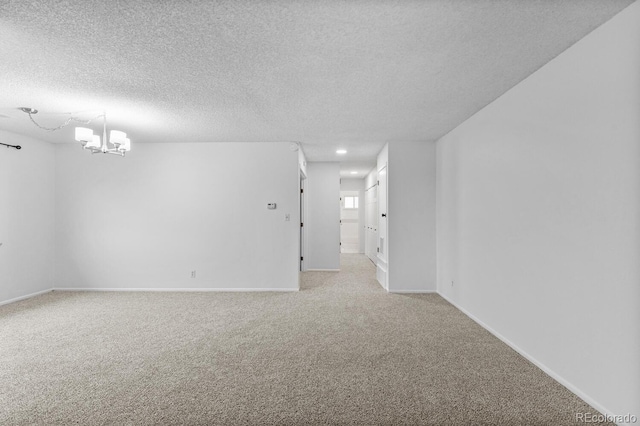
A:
<point x="329" y="74"/>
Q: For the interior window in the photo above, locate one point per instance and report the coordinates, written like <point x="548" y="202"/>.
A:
<point x="350" y="202"/>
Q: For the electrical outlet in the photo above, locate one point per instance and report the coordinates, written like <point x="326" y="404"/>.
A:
<point x="451" y="283"/>
<point x="287" y="217"/>
<point x="193" y="274"/>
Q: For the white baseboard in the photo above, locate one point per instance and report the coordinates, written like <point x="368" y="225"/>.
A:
<point x="28" y="296"/>
<point x="180" y="290"/>
<point x="409" y="291"/>
<point x="322" y="270"/>
<point x="586" y="398"/>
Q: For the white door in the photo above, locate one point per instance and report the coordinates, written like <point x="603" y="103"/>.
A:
<point x="383" y="243"/>
<point x="349" y="222"/>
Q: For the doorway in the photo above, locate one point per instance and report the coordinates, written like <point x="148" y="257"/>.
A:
<point x="350" y="205"/>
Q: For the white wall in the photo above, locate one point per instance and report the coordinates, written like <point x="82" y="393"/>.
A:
<point x="539" y="216"/>
<point x="371" y="178"/>
<point x="348" y="184"/>
<point x="323" y="216"/>
<point x="26" y="217"/>
<point x="412" y="216"/>
<point x="383" y="157"/>
<point x="148" y="220"/>
<point x="302" y="161"/>
<point x="351" y="184"/>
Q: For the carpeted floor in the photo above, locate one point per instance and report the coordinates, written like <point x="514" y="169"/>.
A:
<point x="340" y="351"/>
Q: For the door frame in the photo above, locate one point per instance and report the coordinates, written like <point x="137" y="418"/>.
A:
<point x="301" y="236"/>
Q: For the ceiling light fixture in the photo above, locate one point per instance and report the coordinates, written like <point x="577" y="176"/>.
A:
<point x="118" y="143"/>
<point x="117" y="139"/>
<point x="341" y="151"/>
<point x="354" y="173"/>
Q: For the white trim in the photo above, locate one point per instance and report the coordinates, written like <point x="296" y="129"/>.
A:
<point x="586" y="398"/>
<point x="322" y="270"/>
<point x="180" y="290"/>
<point x="28" y="296"/>
<point x="408" y="291"/>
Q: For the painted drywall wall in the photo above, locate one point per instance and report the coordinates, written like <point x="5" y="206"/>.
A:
<point x="26" y="217"/>
<point x="411" y="197"/>
<point x="351" y="184"/>
<point x="371" y="178"/>
<point x="347" y="184"/>
<point x="150" y="219"/>
<point x="302" y="160"/>
<point x="323" y="216"/>
<point x="539" y="216"/>
<point x="383" y="157"/>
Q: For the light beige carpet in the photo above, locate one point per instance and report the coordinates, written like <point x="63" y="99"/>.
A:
<point x="340" y="351"/>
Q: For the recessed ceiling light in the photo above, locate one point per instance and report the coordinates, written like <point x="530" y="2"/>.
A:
<point x="341" y="151"/>
<point x="354" y="173"/>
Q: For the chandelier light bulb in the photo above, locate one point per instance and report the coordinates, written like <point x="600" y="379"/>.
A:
<point x="117" y="138"/>
<point x="84" y="135"/>
<point x="95" y="142"/>
<point x="126" y="145"/>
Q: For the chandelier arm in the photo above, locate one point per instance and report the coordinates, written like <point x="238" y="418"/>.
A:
<point x="110" y="151"/>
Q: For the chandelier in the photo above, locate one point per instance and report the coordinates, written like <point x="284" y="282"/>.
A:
<point x="117" y="143"/>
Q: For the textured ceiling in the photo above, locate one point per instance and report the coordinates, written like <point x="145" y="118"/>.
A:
<point x="328" y="74"/>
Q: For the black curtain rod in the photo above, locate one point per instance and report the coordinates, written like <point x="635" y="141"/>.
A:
<point x="11" y="146"/>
